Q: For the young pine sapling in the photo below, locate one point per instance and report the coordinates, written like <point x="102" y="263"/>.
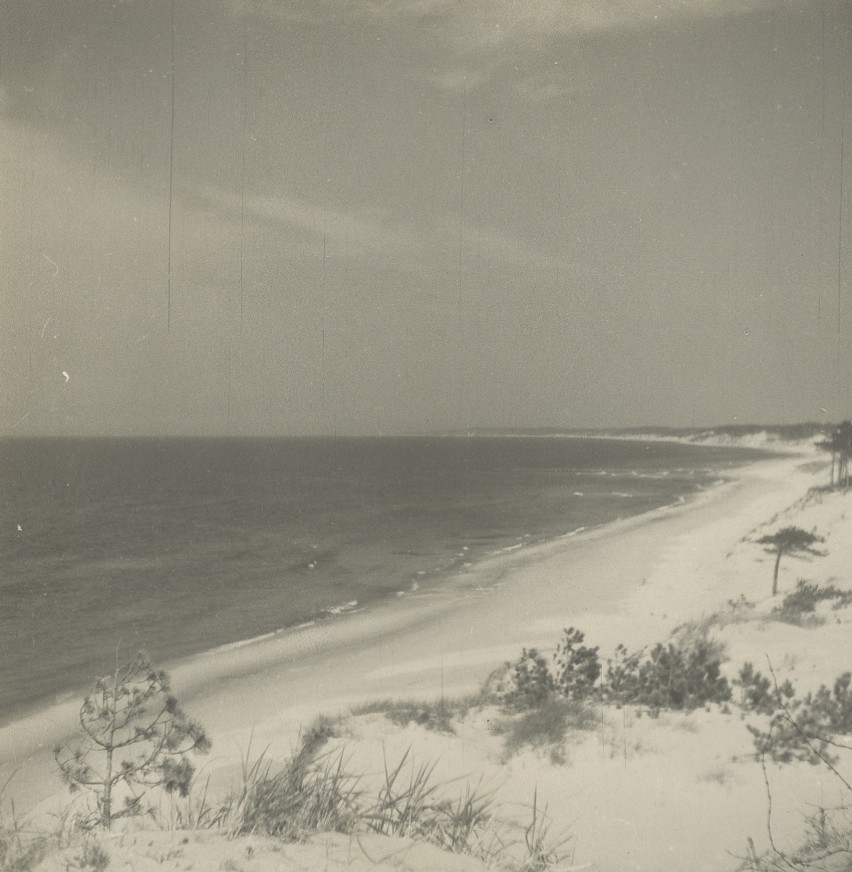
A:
<point x="134" y="737"/>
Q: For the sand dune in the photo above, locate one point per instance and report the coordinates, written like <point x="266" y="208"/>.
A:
<point x="669" y="793"/>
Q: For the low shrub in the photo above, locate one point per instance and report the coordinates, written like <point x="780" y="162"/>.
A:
<point x="529" y="682"/>
<point x="759" y="694"/>
<point x="683" y="674"/>
<point x="804" y="729"/>
<point x="577" y="667"/>
<point x="799" y="606"/>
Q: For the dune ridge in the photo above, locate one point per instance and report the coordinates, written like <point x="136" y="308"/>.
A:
<point x="679" y="791"/>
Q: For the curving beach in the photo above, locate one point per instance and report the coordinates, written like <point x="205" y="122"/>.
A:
<point x="441" y="407"/>
<point x="630" y="582"/>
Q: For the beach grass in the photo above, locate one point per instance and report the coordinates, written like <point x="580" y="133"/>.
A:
<point x="449" y="772"/>
<point x="437" y="714"/>
<point x="545" y="726"/>
<point x="20" y="847"/>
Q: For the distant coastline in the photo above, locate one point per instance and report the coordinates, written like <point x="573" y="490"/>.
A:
<point x="181" y="546"/>
<point x="743" y="434"/>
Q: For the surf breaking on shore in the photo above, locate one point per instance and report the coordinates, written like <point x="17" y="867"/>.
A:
<point x="510" y="600"/>
<point x="122" y="546"/>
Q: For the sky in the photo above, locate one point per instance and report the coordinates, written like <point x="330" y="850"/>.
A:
<point x="405" y="216"/>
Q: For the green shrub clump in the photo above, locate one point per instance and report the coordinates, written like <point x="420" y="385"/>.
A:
<point x="803" y="728"/>
<point x="577" y="667"/>
<point x="758" y="694"/>
<point x="684" y="674"/>
<point x="530" y="682"/>
<point x="544" y="703"/>
<point x="799" y="606"/>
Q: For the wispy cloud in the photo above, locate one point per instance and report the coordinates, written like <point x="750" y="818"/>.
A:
<point x="373" y="234"/>
<point x="506" y="21"/>
<point x="483" y="36"/>
<point x="361" y="231"/>
<point x="321" y="10"/>
<point x="483" y="22"/>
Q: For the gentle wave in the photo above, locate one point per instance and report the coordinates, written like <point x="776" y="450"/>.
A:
<point x="185" y="546"/>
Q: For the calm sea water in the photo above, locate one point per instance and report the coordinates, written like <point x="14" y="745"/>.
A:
<point x="180" y="545"/>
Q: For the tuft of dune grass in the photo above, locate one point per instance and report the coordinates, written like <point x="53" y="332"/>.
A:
<point x="20" y="849"/>
<point x="545" y="726"/>
<point x="437" y="715"/>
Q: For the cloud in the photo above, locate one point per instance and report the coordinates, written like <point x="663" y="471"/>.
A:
<point x="480" y="23"/>
<point x="361" y="231"/>
<point x="506" y="21"/>
<point x="482" y="36"/>
<point x="373" y="233"/>
<point x="313" y="11"/>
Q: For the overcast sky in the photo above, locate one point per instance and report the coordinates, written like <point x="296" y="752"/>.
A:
<point x="398" y="216"/>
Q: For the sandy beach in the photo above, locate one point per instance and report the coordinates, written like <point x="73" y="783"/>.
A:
<point x="679" y="791"/>
<point x="444" y="409"/>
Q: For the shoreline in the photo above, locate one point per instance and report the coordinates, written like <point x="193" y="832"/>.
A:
<point x="444" y="643"/>
<point x="285" y="579"/>
<point x="451" y="571"/>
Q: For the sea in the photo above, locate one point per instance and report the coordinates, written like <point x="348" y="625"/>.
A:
<point x="177" y="546"/>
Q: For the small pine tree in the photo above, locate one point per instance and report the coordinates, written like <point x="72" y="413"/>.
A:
<point x="789" y="540"/>
<point x="134" y="736"/>
<point x="577" y="667"/>
<point x="532" y="683"/>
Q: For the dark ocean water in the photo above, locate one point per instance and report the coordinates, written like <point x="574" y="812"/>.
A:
<point x="180" y="545"/>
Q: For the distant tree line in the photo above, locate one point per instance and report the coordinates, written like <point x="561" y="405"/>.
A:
<point x="839" y="443"/>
